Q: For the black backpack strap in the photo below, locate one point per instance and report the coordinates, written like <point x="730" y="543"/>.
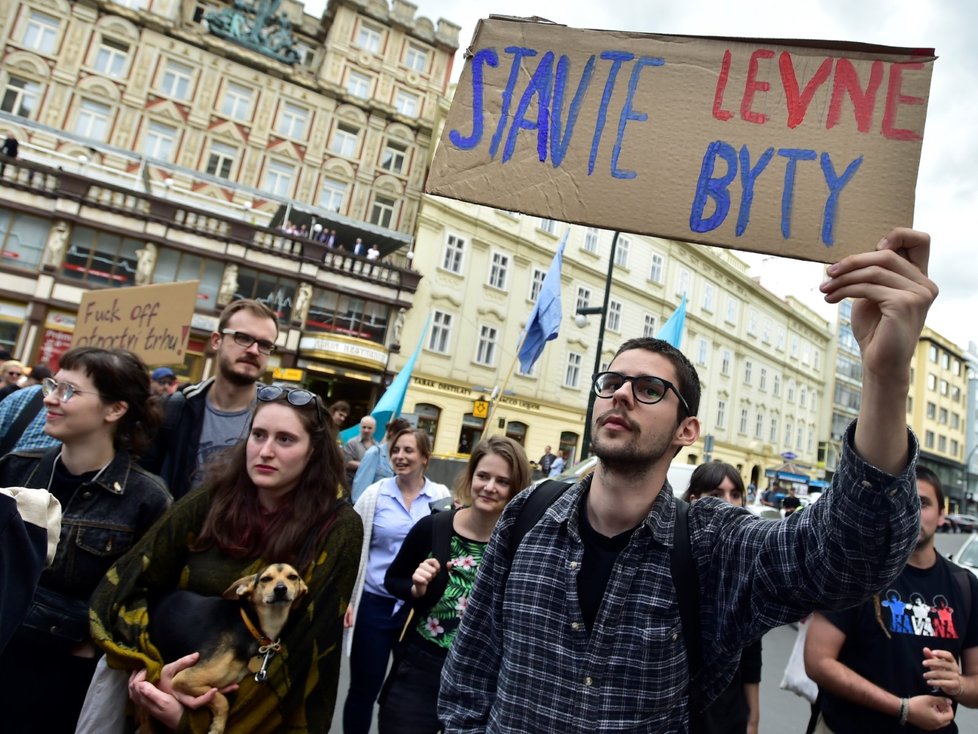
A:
<point x="964" y="579"/>
<point x="28" y="412"/>
<point x="686" y="580"/>
<point x="542" y="496"/>
<point x="441" y="537"/>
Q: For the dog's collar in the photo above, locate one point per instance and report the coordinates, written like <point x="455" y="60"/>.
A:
<point x="263" y="640"/>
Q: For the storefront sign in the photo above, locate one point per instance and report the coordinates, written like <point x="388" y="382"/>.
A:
<point x="344" y="349"/>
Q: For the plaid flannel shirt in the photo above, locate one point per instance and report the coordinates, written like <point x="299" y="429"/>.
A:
<point x="33" y="436"/>
<point x="524" y="660"/>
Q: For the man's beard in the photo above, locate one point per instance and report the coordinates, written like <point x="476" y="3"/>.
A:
<point x="634" y="457"/>
<point x="226" y="367"/>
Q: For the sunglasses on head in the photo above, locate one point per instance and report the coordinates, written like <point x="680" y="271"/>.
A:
<point x="295" y="396"/>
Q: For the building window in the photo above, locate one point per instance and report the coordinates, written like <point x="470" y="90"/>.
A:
<point x="777" y="385"/>
<point x="358" y="85"/>
<point x="382" y="211"/>
<point x="278" y="294"/>
<point x="682" y="286"/>
<point x="944" y="387"/>
<point x="278" y="178"/>
<point x="802" y="396"/>
<point x="173" y="266"/>
<point x="748" y="372"/>
<point x="416" y="58"/>
<point x="942" y="444"/>
<point x="112" y="58"/>
<point x="955" y="447"/>
<point x="93" y="120"/>
<point x="591" y="239"/>
<point x="486" y="351"/>
<point x="614" y="316"/>
<point x="342" y="314"/>
<point x="22" y="239"/>
<point x="703" y="352"/>
<point x="41" y="32"/>
<point x="583" y="297"/>
<point x="648" y="329"/>
<point x="759" y="426"/>
<point x="547" y="225"/>
<point x="791" y="391"/>
<point x="932" y="354"/>
<point x="292" y="121"/>
<point x="428" y="419"/>
<point x="773" y="437"/>
<point x="220" y="160"/>
<point x="441" y="332"/>
<point x="929" y="439"/>
<point x="744" y="417"/>
<point x="345" y="139"/>
<point x="942" y="416"/>
<point x="572" y="375"/>
<point x="237" y="102"/>
<point x="799" y="437"/>
<point x="721" y="413"/>
<point x="725" y="362"/>
<point x="536" y="283"/>
<point x="333" y="194"/>
<point x="621" y="252"/>
<point x="160" y="141"/>
<point x="100" y="258"/>
<point x="709" y="297"/>
<point x="762" y="380"/>
<point x="407" y="103"/>
<point x="177" y="79"/>
<point x="752" y="322"/>
<point x="452" y="257"/>
<point x="781" y="338"/>
<point x="393" y="157"/>
<point x="21" y="97"/>
<point x="788" y="427"/>
<point x="655" y="272"/>
<point x="499" y="271"/>
<point x="733" y="310"/>
<point x="516" y="431"/>
<point x="369" y="38"/>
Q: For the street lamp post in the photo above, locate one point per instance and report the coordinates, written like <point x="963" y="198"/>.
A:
<point x="603" y="310"/>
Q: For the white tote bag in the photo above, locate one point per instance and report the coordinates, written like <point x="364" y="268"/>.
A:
<point x="795" y="679"/>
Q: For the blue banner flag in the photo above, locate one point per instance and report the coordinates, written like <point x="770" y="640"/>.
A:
<point x="672" y="330"/>
<point x="544" y="323"/>
<point x="392" y="401"/>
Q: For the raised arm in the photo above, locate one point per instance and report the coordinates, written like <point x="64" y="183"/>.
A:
<point x="892" y="295"/>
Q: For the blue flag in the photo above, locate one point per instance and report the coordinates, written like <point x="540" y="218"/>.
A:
<point x="390" y="403"/>
<point x="672" y="330"/>
<point x="544" y="323"/>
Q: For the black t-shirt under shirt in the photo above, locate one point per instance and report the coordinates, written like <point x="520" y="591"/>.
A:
<point x="600" y="554"/>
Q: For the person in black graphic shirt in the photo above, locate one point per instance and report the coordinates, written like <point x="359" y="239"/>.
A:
<point x="905" y="659"/>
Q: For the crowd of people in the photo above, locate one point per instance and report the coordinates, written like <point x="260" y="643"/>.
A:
<point x="608" y="604"/>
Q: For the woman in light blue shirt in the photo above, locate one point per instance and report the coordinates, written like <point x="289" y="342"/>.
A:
<point x="389" y="508"/>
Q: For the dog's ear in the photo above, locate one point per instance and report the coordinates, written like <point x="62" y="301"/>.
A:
<point x="300" y="591"/>
<point x="242" y="587"/>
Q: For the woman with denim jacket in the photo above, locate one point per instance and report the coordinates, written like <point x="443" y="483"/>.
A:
<point x="99" y="407"/>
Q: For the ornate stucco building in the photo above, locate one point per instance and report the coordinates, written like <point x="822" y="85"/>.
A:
<point x="163" y="140"/>
<point x="761" y="359"/>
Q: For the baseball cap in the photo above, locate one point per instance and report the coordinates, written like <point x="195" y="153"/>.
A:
<point x="161" y="373"/>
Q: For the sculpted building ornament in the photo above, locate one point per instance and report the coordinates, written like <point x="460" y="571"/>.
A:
<point x="256" y="25"/>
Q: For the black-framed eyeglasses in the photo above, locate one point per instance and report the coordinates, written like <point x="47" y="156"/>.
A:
<point x="645" y="388"/>
<point x="64" y="391"/>
<point x="296" y="396"/>
<point x="246" y="340"/>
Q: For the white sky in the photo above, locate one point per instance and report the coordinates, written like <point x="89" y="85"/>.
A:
<point x="947" y="185"/>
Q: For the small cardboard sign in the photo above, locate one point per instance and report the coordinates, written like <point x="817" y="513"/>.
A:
<point x="152" y="320"/>
<point x="798" y="148"/>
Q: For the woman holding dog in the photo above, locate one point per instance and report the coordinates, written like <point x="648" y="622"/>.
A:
<point x="99" y="408"/>
<point x="497" y="470"/>
<point x="274" y="500"/>
<point x="389" y="509"/>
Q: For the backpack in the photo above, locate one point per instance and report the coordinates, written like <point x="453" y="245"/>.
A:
<point x="685" y="578"/>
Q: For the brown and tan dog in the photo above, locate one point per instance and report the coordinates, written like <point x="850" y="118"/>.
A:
<point x="228" y="631"/>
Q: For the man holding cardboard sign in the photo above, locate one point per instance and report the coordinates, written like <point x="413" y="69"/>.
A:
<point x="581" y="620"/>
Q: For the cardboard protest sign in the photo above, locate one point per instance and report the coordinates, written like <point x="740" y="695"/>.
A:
<point x="796" y="148"/>
<point x="152" y="320"/>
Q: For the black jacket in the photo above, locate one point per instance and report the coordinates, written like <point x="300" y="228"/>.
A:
<point x="173" y="454"/>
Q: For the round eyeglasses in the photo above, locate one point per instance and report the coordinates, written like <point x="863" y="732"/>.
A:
<point x="296" y="396"/>
<point x="645" y="388"/>
<point x="63" y="391"/>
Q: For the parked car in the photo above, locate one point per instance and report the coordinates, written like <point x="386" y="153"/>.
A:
<point x="962" y="523"/>
<point x="967" y="554"/>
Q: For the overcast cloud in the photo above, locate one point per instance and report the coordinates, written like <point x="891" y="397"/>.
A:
<point x="947" y="185"/>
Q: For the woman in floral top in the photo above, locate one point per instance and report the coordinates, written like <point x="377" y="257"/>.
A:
<point x="497" y="470"/>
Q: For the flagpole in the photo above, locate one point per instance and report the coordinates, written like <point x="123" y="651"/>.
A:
<point x="586" y="438"/>
<point x="492" y="405"/>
